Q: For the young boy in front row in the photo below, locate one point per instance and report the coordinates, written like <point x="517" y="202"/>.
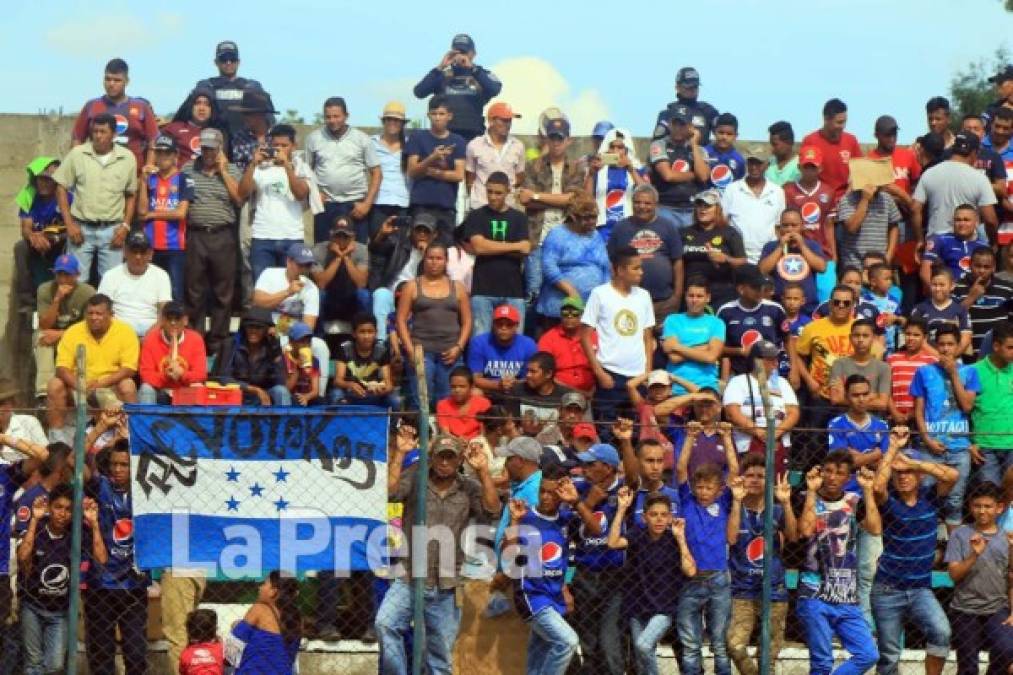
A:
<point x="745" y="537"/>
<point x="828" y="582"/>
<point x="658" y="561"/>
<point x="705" y="503"/>
<point x="540" y="593"/>
<point x="977" y="558"/>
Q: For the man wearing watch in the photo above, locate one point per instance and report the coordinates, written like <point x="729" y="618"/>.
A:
<point x="103" y="177"/>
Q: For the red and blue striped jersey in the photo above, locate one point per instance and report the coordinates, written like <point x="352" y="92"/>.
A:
<point x="165" y="194"/>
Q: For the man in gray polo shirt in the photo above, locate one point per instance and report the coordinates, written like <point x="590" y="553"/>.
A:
<point x="347" y="170"/>
<point x="212" y="239"/>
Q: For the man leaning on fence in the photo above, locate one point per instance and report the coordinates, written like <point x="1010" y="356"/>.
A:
<point x="452" y="500"/>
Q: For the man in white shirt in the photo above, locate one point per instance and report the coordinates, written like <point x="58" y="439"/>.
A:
<point x="347" y="171"/>
<point x="15" y="430"/>
<point x="279" y="181"/>
<point x="622" y="315"/>
<point x="744" y="406"/>
<point x="291" y="295"/>
<point x="137" y="288"/>
<point x="753" y="204"/>
<point x="496" y="150"/>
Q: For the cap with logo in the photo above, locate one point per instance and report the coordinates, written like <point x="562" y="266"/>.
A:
<point x="226" y="48"/>
<point x="67" y="264"/>
<point x="211" y="138"/>
<point x="763" y="349"/>
<point x="708" y="197"/>
<point x="462" y="42"/>
<point x="137" y="241"/>
<point x="965" y="143"/>
<point x="688" y="75"/>
<point x="508" y="312"/>
<point x="572" y="302"/>
<point x="299" y="331"/>
<point x="173" y="310"/>
<point x="524" y="447"/>
<point x="556" y="127"/>
<point x="658" y="377"/>
<point x="575" y="399"/>
<point x="602" y="128"/>
<point x="600" y="452"/>
<point x="885" y="124"/>
<point x="446" y="443"/>
<point x="585" y="430"/>
<point x="680" y="114"/>
<point x="301" y="254"/>
<point x="165" y="142"/>
<point x="750" y="275"/>
<point x="394" y="109"/>
<point x="810" y="154"/>
<point x="501" y="110"/>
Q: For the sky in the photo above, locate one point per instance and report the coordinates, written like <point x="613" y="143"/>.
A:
<point x="763" y="60"/>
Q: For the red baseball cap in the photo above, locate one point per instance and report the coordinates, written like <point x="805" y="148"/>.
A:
<point x="502" y="110"/>
<point x="584" y="430"/>
<point x="810" y="155"/>
<point x="506" y="312"/>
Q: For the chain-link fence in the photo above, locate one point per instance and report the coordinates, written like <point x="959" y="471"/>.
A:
<point x="201" y="503"/>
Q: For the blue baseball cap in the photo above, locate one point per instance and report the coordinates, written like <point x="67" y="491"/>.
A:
<point x="301" y="254"/>
<point x="299" y="331"/>
<point x="600" y="452"/>
<point x="67" y="264"/>
<point x="602" y="128"/>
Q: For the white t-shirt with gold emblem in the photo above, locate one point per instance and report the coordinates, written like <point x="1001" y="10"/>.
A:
<point x="620" y="321"/>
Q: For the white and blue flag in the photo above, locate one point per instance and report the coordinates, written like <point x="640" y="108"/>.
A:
<point x="239" y="492"/>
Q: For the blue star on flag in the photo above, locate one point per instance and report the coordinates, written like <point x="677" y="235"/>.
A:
<point x="232" y="503"/>
<point x="256" y="490"/>
<point x="281" y="504"/>
<point x="280" y="475"/>
<point x="232" y="475"/>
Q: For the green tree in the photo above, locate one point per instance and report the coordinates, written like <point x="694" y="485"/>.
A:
<point x="970" y="90"/>
<point x="292" y="116"/>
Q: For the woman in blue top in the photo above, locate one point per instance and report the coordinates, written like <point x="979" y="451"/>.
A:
<point x="271" y="630"/>
<point x="574" y="258"/>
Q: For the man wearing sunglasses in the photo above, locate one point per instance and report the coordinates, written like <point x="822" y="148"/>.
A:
<point x="824" y="341"/>
<point x="229" y="87"/>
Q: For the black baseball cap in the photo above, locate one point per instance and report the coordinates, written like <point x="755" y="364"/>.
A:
<point x="885" y="124"/>
<point x="688" y="75"/>
<point x="228" y="48"/>
<point x="750" y="275"/>
<point x="462" y="42"/>
<point x="173" y="310"/>
<point x="965" y="143"/>
<point x="165" y="142"/>
<point x="138" y="241"/>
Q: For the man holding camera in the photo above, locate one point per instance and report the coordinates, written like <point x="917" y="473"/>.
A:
<point x="468" y="87"/>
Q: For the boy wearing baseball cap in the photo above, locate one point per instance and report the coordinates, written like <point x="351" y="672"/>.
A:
<point x="496" y="150"/>
<point x="59" y="303"/>
<point x="165" y="197"/>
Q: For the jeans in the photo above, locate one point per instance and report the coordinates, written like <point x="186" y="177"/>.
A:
<point x="97" y="244"/>
<point x="533" y="271"/>
<point x="437" y="379"/>
<point x="682" y="216"/>
<point x="597" y="600"/>
<point x="148" y="395"/>
<point x="266" y="253"/>
<point x="997" y="462"/>
<point x="821" y="621"/>
<point x="443" y="619"/>
<point x="174" y="264"/>
<point x="361" y="611"/>
<point x="709" y="597"/>
<point x="482" y="307"/>
<point x="279" y="394"/>
<point x="961" y="461"/>
<point x="552" y="643"/>
<point x="646" y="635"/>
<point x="740" y="630"/>
<point x="606" y="403"/>
<point x="383" y="307"/>
<point x="323" y="221"/>
<point x="104" y="612"/>
<point x="45" y="639"/>
<point x="870" y="547"/>
<point x="890" y="606"/>
<point x="974" y="632"/>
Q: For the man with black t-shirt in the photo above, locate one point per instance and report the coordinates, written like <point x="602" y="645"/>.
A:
<point x="229" y="87"/>
<point x="499" y="236"/>
<point x="678" y="167"/>
<point x="711" y="249"/>
<point x="536" y="400"/>
<point x="701" y="114"/>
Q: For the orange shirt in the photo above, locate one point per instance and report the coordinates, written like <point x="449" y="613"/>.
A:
<point x="460" y="420"/>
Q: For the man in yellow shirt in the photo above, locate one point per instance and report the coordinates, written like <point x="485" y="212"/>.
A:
<point x="824" y="341"/>
<point x="111" y="352"/>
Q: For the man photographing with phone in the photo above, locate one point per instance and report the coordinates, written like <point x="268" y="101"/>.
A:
<point x="468" y="87"/>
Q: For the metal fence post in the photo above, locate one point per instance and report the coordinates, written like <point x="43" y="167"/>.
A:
<point x="81" y="404"/>
<point x="768" y="519"/>
<point x="422" y="485"/>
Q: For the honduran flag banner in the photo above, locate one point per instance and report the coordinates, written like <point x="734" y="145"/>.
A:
<point x="237" y="492"/>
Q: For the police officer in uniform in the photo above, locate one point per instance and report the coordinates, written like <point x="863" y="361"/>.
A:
<point x="229" y="87"/>
<point x="701" y="113"/>
<point x="467" y="87"/>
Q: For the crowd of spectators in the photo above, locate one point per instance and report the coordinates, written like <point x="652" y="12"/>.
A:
<point x="591" y="330"/>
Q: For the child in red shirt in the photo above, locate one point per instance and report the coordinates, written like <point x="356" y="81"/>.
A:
<point x="204" y="654"/>
<point x="457" y="414"/>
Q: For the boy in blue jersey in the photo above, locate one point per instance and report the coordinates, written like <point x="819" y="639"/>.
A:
<point x="540" y="592"/>
<point x="117" y="595"/>
<point x="706" y="504"/>
<point x="658" y="561"/>
<point x="909" y="511"/>
<point x="865" y="437"/>
<point x="745" y="561"/>
<point x="793" y="299"/>
<point x="828" y="582"/>
<point x="887" y="298"/>
<point x="944" y="395"/>
<point x="941" y="309"/>
<point x="725" y="163"/>
<point x="953" y="250"/>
